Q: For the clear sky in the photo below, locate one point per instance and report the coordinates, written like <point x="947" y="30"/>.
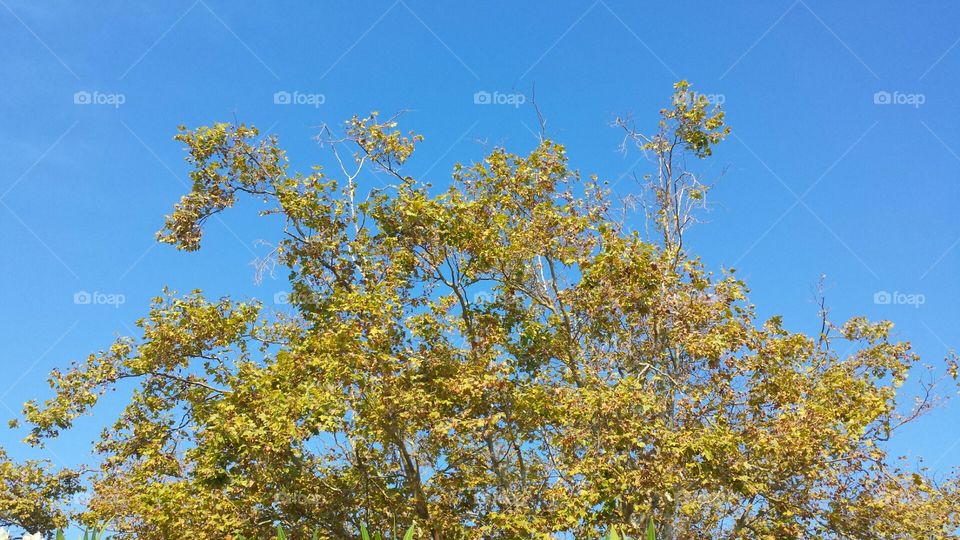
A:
<point x="844" y="158"/>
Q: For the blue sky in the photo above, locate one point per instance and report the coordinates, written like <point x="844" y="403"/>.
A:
<point x="844" y="158"/>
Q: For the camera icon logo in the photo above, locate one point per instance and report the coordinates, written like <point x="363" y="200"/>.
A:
<point x="882" y="98"/>
<point x="281" y="298"/>
<point x="82" y="98"/>
<point x="82" y="298"/>
<point x="282" y="98"/>
<point x="882" y="298"/>
<point x="482" y="98"/>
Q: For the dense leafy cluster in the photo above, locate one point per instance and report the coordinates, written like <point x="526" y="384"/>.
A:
<point x="30" y="494"/>
<point x="501" y="359"/>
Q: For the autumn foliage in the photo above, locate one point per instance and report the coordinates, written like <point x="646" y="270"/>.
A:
<point x="503" y="358"/>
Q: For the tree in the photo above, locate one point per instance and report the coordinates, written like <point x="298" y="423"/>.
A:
<point x="504" y="359"/>
<point x="32" y="495"/>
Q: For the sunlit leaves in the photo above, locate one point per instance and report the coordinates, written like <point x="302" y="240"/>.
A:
<point x="32" y="494"/>
<point x="502" y="358"/>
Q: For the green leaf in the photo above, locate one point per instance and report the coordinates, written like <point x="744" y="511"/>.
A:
<point x="409" y="535"/>
<point x="651" y="530"/>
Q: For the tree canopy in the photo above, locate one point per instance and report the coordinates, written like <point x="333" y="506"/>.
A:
<point x="502" y="358"/>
